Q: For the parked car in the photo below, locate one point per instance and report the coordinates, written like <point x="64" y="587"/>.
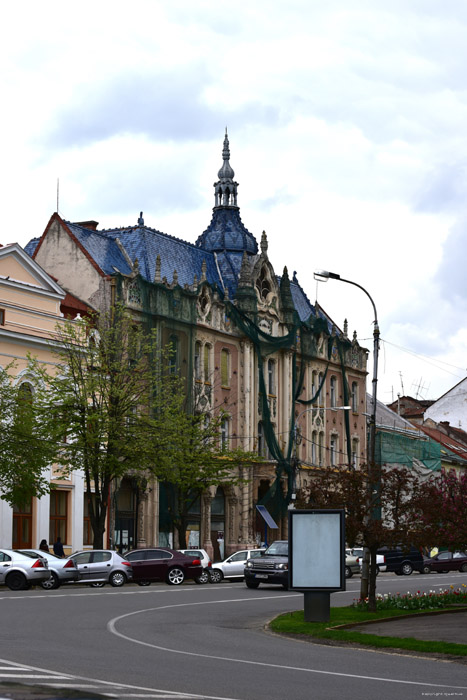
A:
<point x="380" y="562"/>
<point x="60" y="570"/>
<point x="100" y="566"/>
<point x="206" y="562"/>
<point x="163" y="564"/>
<point x="446" y="561"/>
<point x="233" y="567"/>
<point x="352" y="565"/>
<point x="402" y="560"/>
<point x="21" y="571"/>
<point x="271" y="567"/>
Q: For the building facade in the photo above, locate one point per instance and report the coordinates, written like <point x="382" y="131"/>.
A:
<point x="31" y="305"/>
<point x="246" y="339"/>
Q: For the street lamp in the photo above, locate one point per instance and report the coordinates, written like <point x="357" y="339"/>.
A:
<point x="323" y="276"/>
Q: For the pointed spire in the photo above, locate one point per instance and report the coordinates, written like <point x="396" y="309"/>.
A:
<point x="264" y="243"/>
<point x="346" y="328"/>
<point x="225" y="190"/>
<point x="244" y="279"/>
<point x="203" y="271"/>
<point x="287" y="304"/>
<point x="157" y="274"/>
<point x="175" y="278"/>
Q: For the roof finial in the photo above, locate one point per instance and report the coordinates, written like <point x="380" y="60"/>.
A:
<point x="264" y="243"/>
<point x="226" y="189"/>
<point x="141" y="220"/>
<point x="157" y="274"/>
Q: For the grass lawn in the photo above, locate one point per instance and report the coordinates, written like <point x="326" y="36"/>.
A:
<point x="293" y="623"/>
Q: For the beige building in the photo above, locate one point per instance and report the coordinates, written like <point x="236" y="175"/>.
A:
<point x="31" y="304"/>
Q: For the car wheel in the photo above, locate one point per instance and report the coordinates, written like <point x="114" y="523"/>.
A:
<point x="144" y="583"/>
<point x="175" y="576"/>
<point x="406" y="568"/>
<point x="464" y="568"/>
<point x="51" y="583"/>
<point x="204" y="578"/>
<point x="117" y="579"/>
<point x="16" y="581"/>
<point x="252" y="584"/>
<point x="426" y="570"/>
<point x="97" y="584"/>
<point x="348" y="572"/>
<point x="216" y="576"/>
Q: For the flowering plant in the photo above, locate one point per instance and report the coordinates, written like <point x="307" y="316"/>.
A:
<point x="430" y="600"/>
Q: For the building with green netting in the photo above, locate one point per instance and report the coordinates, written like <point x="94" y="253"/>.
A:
<point x="245" y="338"/>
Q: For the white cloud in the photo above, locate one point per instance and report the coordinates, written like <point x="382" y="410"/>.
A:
<point x="348" y="131"/>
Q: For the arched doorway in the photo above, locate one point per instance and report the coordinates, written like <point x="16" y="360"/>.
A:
<point x="218" y="524"/>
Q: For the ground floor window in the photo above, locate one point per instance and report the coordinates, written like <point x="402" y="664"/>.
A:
<point x="58" y="516"/>
<point x="22" y="526"/>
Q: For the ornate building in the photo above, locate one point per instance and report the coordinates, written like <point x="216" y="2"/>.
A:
<point x="245" y="339"/>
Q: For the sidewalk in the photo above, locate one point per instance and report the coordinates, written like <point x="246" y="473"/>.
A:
<point x="439" y="627"/>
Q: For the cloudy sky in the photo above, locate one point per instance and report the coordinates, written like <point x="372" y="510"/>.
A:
<point x="348" y="135"/>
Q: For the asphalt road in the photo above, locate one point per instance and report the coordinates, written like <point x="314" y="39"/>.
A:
<point x="204" y="642"/>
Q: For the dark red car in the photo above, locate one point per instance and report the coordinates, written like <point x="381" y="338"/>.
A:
<point x="447" y="561"/>
<point x="162" y="564"/>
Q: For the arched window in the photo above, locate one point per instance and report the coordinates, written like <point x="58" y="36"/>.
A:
<point x="225" y="433"/>
<point x="354" y="397"/>
<point x="207" y="363"/>
<point x="225" y="368"/>
<point x="271" y="377"/>
<point x="355" y="450"/>
<point x="333" y="450"/>
<point x="263" y="285"/>
<point x="314" y="447"/>
<point x="314" y="383"/>
<point x="333" y="392"/>
<point x="197" y="361"/>
<point x="321" y="396"/>
<point x="173" y="354"/>
<point x="321" y="449"/>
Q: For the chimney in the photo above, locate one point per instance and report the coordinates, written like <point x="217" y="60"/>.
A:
<point x="91" y="225"/>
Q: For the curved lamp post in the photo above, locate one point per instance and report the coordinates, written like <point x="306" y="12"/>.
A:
<point x="323" y="276"/>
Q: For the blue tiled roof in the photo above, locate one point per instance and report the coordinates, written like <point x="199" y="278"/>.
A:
<point x="30" y="247"/>
<point x="145" y="244"/>
<point x="226" y="233"/>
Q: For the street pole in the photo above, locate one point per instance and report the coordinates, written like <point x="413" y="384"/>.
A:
<point x="373" y="471"/>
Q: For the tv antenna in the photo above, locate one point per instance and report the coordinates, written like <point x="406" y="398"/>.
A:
<point x="420" y="388"/>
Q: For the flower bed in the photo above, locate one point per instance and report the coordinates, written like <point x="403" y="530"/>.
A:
<point x="430" y="600"/>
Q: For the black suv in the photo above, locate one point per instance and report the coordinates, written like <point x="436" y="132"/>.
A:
<point x="402" y="560"/>
<point x="271" y="567"/>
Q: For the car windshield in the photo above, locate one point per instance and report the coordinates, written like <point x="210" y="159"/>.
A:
<point x="278" y="548"/>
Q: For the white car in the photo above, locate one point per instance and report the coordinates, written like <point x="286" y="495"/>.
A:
<point x="206" y="563"/>
<point x="21" y="571"/>
<point x="233" y="567"/>
<point x="61" y="570"/>
<point x="380" y="563"/>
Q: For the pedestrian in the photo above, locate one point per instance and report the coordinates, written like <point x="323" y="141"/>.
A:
<point x="58" y="548"/>
<point x="44" y="546"/>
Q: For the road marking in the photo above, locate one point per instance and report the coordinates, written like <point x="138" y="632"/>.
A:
<point x="108" y="688"/>
<point x="111" y="626"/>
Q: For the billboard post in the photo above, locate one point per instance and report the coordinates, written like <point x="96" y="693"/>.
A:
<point x="317" y="558"/>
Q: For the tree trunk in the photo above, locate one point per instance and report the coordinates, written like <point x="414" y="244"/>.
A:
<point x="372" y="581"/>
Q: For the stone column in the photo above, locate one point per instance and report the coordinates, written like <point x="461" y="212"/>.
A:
<point x="205" y="525"/>
<point x="142" y="515"/>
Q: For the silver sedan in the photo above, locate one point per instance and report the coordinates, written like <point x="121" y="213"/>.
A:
<point x="61" y="570"/>
<point x="20" y="571"/>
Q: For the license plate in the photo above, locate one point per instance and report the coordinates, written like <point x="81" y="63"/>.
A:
<point x="261" y="575"/>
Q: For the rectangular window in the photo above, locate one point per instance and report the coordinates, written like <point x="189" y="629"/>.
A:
<point x="207" y="363"/>
<point x="225" y="434"/>
<point x="2" y="317"/>
<point x="225" y="370"/>
<point x="333" y="451"/>
<point x="58" y="515"/>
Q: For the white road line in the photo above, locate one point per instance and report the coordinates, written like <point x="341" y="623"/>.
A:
<point x="111" y="626"/>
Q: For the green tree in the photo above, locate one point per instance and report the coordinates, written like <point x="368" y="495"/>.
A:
<point x="190" y="458"/>
<point x="100" y="404"/>
<point x="25" y="451"/>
